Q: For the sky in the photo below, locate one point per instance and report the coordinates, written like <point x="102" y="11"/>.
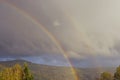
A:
<point x="84" y="33"/>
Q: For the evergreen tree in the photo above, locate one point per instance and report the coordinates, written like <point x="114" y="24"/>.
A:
<point x="27" y="73"/>
<point x="117" y="74"/>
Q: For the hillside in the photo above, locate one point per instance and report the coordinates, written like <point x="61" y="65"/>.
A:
<point x="45" y="72"/>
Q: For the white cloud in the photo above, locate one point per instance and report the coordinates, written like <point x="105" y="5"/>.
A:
<point x="56" y="23"/>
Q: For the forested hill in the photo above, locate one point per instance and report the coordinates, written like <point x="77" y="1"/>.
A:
<point x="45" y="72"/>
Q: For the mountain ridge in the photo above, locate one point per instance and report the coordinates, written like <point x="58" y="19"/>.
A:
<point x="46" y="72"/>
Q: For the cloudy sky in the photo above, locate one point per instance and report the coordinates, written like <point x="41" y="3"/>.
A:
<point x="43" y="31"/>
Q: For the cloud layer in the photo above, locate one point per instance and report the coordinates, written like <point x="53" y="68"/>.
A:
<point x="84" y="29"/>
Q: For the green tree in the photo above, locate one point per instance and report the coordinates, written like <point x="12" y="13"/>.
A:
<point x="117" y="74"/>
<point x="106" y="76"/>
<point x="27" y="73"/>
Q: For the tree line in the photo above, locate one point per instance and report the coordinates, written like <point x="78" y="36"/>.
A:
<point x="109" y="76"/>
<point x="16" y="72"/>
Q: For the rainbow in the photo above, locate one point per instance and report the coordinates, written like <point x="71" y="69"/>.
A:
<point x="50" y="35"/>
<point x="86" y="41"/>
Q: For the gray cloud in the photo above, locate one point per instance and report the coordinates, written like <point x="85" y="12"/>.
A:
<point x="84" y="29"/>
<point x="20" y="36"/>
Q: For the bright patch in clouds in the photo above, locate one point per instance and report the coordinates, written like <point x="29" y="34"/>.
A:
<point x="56" y="23"/>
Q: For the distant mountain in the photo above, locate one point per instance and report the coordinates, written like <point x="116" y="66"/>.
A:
<point x="45" y="72"/>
